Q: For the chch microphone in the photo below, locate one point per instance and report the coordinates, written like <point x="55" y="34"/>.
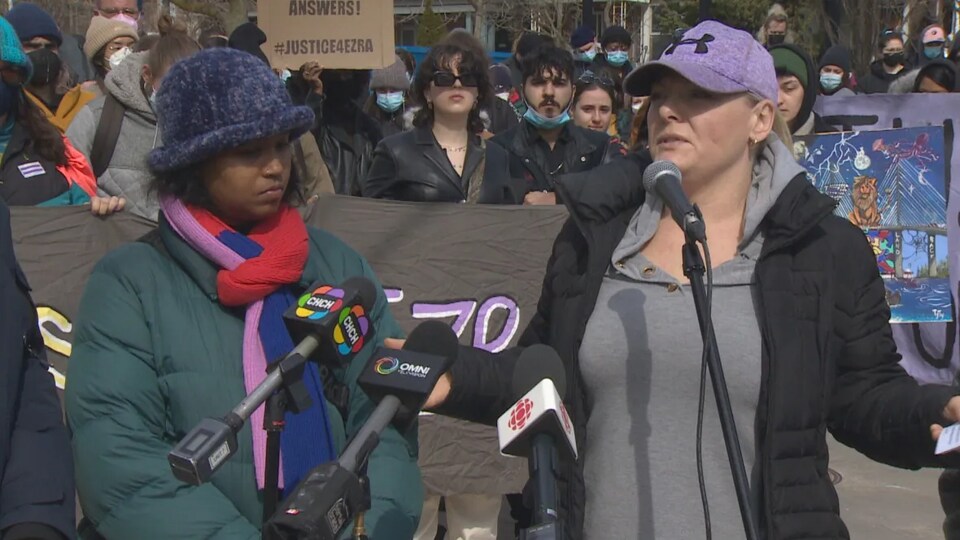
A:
<point x="324" y="503"/>
<point x="535" y="427"/>
<point x="329" y="323"/>
<point x="662" y="178"/>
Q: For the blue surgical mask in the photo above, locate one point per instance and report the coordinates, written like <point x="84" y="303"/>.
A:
<point x="617" y="58"/>
<point x="540" y="121"/>
<point x="587" y="56"/>
<point x="933" y="52"/>
<point x="390" y="101"/>
<point x="830" y="81"/>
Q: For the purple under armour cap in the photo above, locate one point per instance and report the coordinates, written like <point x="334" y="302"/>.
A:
<point x="714" y="57"/>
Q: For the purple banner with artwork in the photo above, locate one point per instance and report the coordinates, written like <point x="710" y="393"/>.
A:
<point x="929" y="349"/>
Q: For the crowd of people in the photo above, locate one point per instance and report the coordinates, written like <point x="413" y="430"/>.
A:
<point x="203" y="137"/>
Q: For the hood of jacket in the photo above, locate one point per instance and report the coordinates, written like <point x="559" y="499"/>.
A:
<point x="810" y="90"/>
<point x="125" y="84"/>
<point x="876" y="69"/>
<point x="904" y="83"/>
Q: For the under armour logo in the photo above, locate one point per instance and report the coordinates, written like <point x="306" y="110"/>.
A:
<point x="700" y="43"/>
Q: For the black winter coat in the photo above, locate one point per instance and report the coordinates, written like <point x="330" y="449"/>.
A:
<point x="411" y="166"/>
<point x="26" y="179"/>
<point x="36" y="466"/>
<point x="829" y="361"/>
<point x="877" y="81"/>
<point x="584" y="149"/>
<point x="346" y="138"/>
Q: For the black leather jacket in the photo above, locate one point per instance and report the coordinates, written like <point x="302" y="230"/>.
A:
<point x="346" y="145"/>
<point x="583" y="150"/>
<point x="411" y="166"/>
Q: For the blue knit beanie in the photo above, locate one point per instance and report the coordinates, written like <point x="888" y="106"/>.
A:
<point x="217" y="100"/>
<point x="11" y="51"/>
<point x="581" y="36"/>
<point x="30" y="21"/>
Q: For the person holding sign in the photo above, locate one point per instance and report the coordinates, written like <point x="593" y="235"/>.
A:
<point x="799" y="313"/>
<point x="444" y="159"/>
<point x="180" y="325"/>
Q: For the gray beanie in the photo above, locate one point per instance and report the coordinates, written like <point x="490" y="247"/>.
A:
<point x="392" y="76"/>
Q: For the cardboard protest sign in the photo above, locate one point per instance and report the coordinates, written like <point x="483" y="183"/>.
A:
<point x="339" y="34"/>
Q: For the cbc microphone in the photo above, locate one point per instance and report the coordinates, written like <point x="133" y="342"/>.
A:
<point x="662" y="178"/>
<point x="536" y="427"/>
<point x="401" y="381"/>
<point x="330" y="324"/>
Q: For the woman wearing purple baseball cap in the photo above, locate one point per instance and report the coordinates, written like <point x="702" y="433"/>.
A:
<point x="799" y="312"/>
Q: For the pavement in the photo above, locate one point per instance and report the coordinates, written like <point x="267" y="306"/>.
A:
<point x="879" y="502"/>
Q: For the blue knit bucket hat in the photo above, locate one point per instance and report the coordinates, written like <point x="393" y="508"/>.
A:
<point x="217" y="100"/>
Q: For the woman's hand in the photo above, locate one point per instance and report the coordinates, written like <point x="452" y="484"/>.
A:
<point x="540" y="198"/>
<point x="951" y="413"/>
<point x="104" y="206"/>
<point x="440" y="392"/>
<point x="311" y="73"/>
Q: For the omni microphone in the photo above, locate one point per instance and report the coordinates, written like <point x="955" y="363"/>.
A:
<point x="324" y="503"/>
<point x="535" y="427"/>
<point x="662" y="178"/>
<point x="329" y="323"/>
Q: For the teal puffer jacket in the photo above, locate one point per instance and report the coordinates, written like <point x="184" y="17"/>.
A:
<point x="155" y="353"/>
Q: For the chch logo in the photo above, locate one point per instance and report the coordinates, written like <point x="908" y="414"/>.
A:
<point x="352" y="327"/>
<point x="520" y="414"/>
<point x="387" y="365"/>
<point x="318" y="303"/>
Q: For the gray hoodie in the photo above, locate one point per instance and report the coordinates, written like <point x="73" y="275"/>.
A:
<point x="127" y="175"/>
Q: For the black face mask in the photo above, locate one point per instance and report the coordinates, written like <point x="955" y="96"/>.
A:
<point x="776" y="39"/>
<point x="46" y="66"/>
<point x="894" y="60"/>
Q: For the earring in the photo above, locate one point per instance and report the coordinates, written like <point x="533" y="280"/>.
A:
<point x="753" y="142"/>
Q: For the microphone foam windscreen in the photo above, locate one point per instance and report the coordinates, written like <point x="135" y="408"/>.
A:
<point x="433" y="337"/>
<point x="536" y="363"/>
<point x="365" y="288"/>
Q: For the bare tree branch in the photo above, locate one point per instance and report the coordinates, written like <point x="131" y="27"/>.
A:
<point x="198" y="6"/>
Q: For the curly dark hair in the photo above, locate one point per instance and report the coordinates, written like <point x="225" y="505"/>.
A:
<point x="45" y="139"/>
<point x="547" y="58"/>
<point x="443" y="57"/>
<point x="187" y="185"/>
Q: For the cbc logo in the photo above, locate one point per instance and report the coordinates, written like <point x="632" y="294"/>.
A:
<point x="520" y="414"/>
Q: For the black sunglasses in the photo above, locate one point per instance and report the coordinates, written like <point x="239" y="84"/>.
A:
<point x="589" y="77"/>
<point x="445" y="79"/>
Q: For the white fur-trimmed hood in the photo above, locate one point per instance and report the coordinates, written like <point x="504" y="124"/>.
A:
<point x="412" y="111"/>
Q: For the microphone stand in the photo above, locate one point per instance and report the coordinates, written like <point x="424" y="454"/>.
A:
<point x="693" y="269"/>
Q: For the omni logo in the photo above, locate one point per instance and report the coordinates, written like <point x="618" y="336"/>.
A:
<point x="520" y="414"/>
<point x="387" y="365"/>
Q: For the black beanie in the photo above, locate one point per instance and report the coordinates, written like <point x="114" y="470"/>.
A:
<point x="839" y="56"/>
<point x="616" y="34"/>
<point x="247" y="38"/>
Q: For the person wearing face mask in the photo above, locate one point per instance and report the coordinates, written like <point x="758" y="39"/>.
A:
<point x="118" y="130"/>
<point x="50" y="88"/>
<point x="108" y="43"/>
<point x="891" y="66"/>
<point x="615" y="42"/>
<point x="387" y="102"/>
<point x="345" y="134"/>
<point x="583" y="42"/>
<point x="797" y="80"/>
<point x="547" y="144"/>
<point x="775" y="30"/>
<point x="932" y="45"/>
<point x="835" y="72"/>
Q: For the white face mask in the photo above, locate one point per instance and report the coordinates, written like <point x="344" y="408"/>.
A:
<point x="504" y="96"/>
<point x="119" y="56"/>
<point x="636" y="107"/>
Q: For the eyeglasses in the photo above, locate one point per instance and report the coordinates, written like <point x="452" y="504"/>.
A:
<point x="113" y="12"/>
<point x="589" y="77"/>
<point x="445" y="79"/>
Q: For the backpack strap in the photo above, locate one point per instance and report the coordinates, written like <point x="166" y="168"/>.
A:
<point x="107" y="135"/>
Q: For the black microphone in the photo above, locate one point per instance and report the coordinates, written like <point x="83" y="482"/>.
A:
<point x="536" y="427"/>
<point x="329" y="323"/>
<point x="662" y="178"/>
<point x="401" y="381"/>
